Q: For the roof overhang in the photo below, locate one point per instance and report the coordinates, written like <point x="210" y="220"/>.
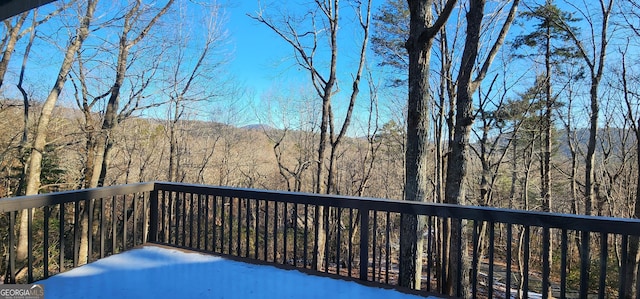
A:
<point x="10" y="8"/>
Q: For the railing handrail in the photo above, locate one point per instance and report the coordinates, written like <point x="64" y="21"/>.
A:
<point x="601" y="224"/>
<point x="14" y="204"/>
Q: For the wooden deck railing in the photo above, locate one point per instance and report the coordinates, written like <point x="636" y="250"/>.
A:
<point x="503" y="251"/>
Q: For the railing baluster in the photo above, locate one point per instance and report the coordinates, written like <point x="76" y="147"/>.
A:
<point x="256" y="230"/>
<point x="139" y="198"/>
<point x="266" y="229"/>
<point x="374" y="243"/>
<point x="45" y="257"/>
<point x="525" y="286"/>
<point x="388" y="252"/>
<point x="103" y="235"/>
<point x="198" y="219"/>
<point x="460" y="262"/>
<point x="158" y="196"/>
<point x="622" y="287"/>
<point x="285" y="231"/>
<point x="183" y="199"/>
<point x="114" y="217"/>
<point x="206" y="221"/>
<point x="316" y="224"/>
<point x="12" y="248"/>
<point x="124" y="222"/>
<point x="350" y="257"/>
<point x="275" y="231"/>
<point x="173" y="211"/>
<point x="546" y="262"/>
<point x="153" y="216"/>
<point x="230" y="245"/>
<point x="222" y="226"/>
<point x="30" y="245"/>
<point x="445" y="223"/>
<point x="190" y="212"/>
<point x="338" y="240"/>
<point x="76" y="233"/>
<point x="474" y="262"/>
<point x="248" y="224"/>
<point x="327" y="213"/>
<point x="60" y="238"/>
<point x="364" y="244"/>
<point x="215" y="223"/>
<point x="492" y="242"/>
<point x="295" y="234"/>
<point x="306" y="234"/>
<point x="564" y="248"/>
<point x="603" y="264"/>
<point x="239" y="228"/>
<point x="89" y="214"/>
<point x="584" y="264"/>
<point x="508" y="258"/>
<point x="164" y="208"/>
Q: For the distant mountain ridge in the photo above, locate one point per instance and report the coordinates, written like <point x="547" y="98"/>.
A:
<point x="258" y="127"/>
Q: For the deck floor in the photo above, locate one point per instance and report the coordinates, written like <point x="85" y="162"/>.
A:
<point x="160" y="272"/>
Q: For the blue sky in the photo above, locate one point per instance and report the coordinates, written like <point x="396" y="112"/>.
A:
<point x="256" y="49"/>
<point x="261" y="62"/>
<point x="260" y="55"/>
<point x="264" y="63"/>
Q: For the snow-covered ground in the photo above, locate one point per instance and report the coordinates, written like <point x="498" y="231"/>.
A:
<point x="158" y="272"/>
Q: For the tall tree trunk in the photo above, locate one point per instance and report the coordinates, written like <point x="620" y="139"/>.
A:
<point x="633" y="256"/>
<point x="422" y="32"/>
<point x="458" y="157"/>
<point x="321" y="186"/>
<point x="40" y="139"/>
<point x="546" y="159"/>
<point x="590" y="195"/>
<point x="416" y="155"/>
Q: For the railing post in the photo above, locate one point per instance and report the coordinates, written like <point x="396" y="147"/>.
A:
<point x="153" y="215"/>
<point x="364" y="244"/>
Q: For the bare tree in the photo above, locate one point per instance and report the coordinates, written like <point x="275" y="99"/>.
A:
<point x="134" y="30"/>
<point x="88" y="102"/>
<point x="633" y="257"/>
<point x="594" y="55"/>
<point x="464" y="117"/>
<point x="305" y="44"/>
<point x="190" y="79"/>
<point x="40" y="138"/>
<point x="292" y="124"/>
<point x="422" y="33"/>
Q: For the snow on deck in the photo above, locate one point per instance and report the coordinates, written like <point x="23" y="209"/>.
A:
<point x="158" y="272"/>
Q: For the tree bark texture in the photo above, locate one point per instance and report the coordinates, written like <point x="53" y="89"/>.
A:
<point x="422" y="32"/>
<point x="40" y="138"/>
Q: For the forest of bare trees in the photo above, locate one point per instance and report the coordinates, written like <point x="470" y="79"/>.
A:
<point x="516" y="104"/>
